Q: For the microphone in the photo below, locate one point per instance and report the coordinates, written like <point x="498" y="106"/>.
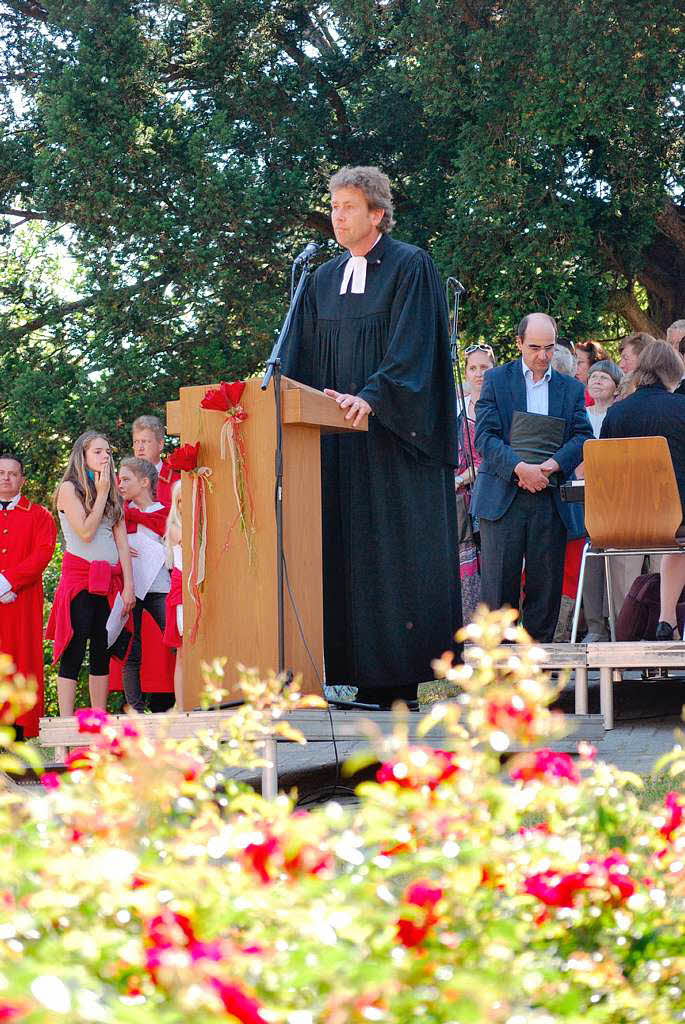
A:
<point x="457" y="285"/>
<point x="309" y="250"/>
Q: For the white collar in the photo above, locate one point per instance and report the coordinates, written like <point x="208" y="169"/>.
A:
<point x="528" y="374"/>
<point x="355" y="268"/>
<point x="159" y="465"/>
<point x="154" y="507"/>
<point x="13" y="502"/>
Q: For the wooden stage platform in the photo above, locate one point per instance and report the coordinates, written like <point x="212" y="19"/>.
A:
<point x="348" y="730"/>
<point x="342" y="731"/>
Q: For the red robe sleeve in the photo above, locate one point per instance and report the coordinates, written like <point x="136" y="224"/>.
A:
<point x="155" y="521"/>
<point x="30" y="570"/>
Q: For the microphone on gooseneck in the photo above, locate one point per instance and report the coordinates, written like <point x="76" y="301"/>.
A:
<point x="309" y="250"/>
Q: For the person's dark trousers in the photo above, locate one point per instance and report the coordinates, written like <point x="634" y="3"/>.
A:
<point x="531" y="528"/>
<point x="155" y="604"/>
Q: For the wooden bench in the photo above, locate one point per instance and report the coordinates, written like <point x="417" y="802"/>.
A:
<point x="609" y="657"/>
<point x="571" y="658"/>
<point x="351" y="727"/>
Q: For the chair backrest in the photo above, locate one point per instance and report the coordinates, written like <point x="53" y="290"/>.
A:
<point x="631" y="495"/>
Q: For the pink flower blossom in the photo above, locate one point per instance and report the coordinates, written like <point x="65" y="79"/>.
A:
<point x="544" y="764"/>
<point x="91" y="719"/>
<point x="51" y="781"/>
<point x="12" y="1011"/>
<point x="423" y="894"/>
<point x="676" y="815"/>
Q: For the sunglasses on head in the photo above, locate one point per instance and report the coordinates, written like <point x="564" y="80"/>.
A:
<point x="479" y="348"/>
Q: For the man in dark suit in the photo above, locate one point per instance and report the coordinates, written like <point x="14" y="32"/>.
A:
<point x="518" y="503"/>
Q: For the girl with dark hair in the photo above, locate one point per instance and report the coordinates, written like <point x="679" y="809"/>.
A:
<point x="95" y="568"/>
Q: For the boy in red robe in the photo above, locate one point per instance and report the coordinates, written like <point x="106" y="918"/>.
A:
<point x="27" y="541"/>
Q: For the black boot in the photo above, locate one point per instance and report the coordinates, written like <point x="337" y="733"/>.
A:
<point x="665" y="631"/>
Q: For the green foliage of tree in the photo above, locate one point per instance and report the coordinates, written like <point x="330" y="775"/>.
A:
<point x="178" y="154"/>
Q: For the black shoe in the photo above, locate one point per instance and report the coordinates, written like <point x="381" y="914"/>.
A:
<point x="665" y="631"/>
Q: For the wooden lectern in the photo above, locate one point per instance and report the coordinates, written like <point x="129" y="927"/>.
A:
<point x="239" y="601"/>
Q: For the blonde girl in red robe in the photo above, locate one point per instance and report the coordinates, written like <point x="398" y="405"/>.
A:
<point x="173" y="633"/>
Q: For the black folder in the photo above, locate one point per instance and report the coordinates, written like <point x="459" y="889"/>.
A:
<point x="534" y="437"/>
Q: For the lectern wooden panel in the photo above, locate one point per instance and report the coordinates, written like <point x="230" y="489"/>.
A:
<point x="240" y="600"/>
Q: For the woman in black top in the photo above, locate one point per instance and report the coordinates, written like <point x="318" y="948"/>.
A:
<point x="654" y="411"/>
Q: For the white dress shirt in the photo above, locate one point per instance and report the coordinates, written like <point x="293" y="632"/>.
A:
<point x="355" y="269"/>
<point x="7" y="595"/>
<point x="162" y="581"/>
<point x="537" y="392"/>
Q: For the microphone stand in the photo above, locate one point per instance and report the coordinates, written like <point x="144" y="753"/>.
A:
<point x="273" y="369"/>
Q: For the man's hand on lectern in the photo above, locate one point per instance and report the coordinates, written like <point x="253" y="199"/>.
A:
<point x="357" y="406"/>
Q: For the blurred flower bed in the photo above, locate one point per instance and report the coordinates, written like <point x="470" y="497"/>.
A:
<point x="145" y="885"/>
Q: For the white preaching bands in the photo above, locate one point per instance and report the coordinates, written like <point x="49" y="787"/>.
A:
<point x="355" y="269"/>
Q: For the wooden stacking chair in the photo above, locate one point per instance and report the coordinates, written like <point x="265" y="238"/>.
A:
<point x="632" y="506"/>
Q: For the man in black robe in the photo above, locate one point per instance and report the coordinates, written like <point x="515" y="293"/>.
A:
<point x="372" y="333"/>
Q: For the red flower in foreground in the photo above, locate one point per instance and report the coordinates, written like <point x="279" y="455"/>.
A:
<point x="258" y="856"/>
<point x="676" y="815"/>
<point x="555" y="890"/>
<point x="419" y="766"/>
<point x="544" y="764"/>
<point x="91" y="719"/>
<point x="184" y="459"/>
<point x="411" y="931"/>
<point x="613" y="873"/>
<point x="243" y="1007"/>
<point x="269" y="858"/>
<point x="168" y="930"/>
<point x="79" y="759"/>
<point x="512" y="717"/>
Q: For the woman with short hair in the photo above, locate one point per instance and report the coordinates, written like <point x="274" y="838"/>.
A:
<point x="95" y="568"/>
<point x="654" y="411"/>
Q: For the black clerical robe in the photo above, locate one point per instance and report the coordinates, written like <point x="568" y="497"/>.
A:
<point x="391" y="582"/>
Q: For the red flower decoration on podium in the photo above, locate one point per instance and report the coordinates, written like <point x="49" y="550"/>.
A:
<point x="226" y="398"/>
<point x="185" y="460"/>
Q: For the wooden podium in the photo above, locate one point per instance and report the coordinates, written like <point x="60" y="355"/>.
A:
<point x="240" y="601"/>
